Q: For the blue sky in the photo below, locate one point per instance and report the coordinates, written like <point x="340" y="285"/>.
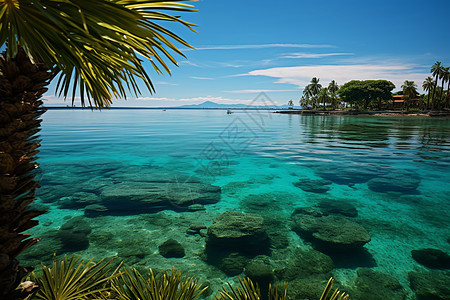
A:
<point x="248" y="46"/>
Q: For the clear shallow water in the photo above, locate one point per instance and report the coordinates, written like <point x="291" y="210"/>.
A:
<point x="393" y="171"/>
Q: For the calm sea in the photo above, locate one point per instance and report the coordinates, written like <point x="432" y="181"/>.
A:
<point x="119" y="183"/>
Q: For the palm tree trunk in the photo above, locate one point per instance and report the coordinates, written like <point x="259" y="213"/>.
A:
<point x="22" y="83"/>
<point x="441" y="99"/>
<point x="434" y="92"/>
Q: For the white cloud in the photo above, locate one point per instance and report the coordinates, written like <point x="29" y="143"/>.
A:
<point x="301" y="75"/>
<point x="258" y="91"/>
<point x="258" y="46"/>
<point x="165" y="83"/>
<point x="312" y="55"/>
<point x="201" y="78"/>
<point x="189" y="63"/>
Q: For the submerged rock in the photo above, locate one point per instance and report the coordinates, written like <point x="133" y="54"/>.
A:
<point x="233" y="264"/>
<point x="260" y="271"/>
<point x="404" y="181"/>
<point x="238" y="232"/>
<point x="432" y="258"/>
<point x="304" y="263"/>
<point x="350" y="174"/>
<point x="94" y="210"/>
<point x="332" y="207"/>
<point x="142" y="197"/>
<point x="313" y="185"/>
<point x="308" y="288"/>
<point x="268" y="203"/>
<point x="79" y="200"/>
<point x="74" y="234"/>
<point x="434" y="285"/>
<point x="195" y="228"/>
<point x="171" y="248"/>
<point x="333" y="233"/>
<point x="374" y="285"/>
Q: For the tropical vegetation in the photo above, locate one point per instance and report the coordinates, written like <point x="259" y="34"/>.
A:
<point x="378" y="94"/>
<point x="94" y="49"/>
<point x="314" y="95"/>
<point x="71" y="279"/>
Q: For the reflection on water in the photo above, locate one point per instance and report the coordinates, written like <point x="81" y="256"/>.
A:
<point x="327" y="195"/>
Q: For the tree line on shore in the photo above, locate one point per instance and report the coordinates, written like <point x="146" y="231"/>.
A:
<point x="377" y="94"/>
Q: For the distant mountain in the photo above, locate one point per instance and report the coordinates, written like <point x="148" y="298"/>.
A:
<point x="210" y="104"/>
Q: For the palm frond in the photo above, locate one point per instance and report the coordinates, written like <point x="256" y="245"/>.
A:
<point x="72" y="279"/>
<point x="96" y="47"/>
<point x="336" y="295"/>
<point x="247" y="290"/>
<point x="131" y="285"/>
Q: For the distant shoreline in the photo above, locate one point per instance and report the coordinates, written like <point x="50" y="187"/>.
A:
<point x="165" y="108"/>
<point x="380" y="113"/>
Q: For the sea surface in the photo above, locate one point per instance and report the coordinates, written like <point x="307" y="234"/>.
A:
<point x="119" y="183"/>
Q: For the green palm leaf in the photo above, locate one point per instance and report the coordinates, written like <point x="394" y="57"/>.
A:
<point x="131" y="285"/>
<point x="72" y="279"/>
<point x="95" y="47"/>
<point x="336" y="295"/>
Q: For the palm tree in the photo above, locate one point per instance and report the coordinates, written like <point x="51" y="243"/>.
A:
<point x="314" y="89"/>
<point x="291" y="104"/>
<point x="409" y="90"/>
<point x="333" y="87"/>
<point x="436" y="71"/>
<point x="445" y="76"/>
<point x="96" y="48"/>
<point x="305" y="100"/>
<point x="324" y="97"/>
<point x="427" y="85"/>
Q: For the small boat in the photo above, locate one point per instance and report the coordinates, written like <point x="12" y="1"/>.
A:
<point x="229" y="112"/>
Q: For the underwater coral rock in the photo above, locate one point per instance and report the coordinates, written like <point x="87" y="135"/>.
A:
<point x="233" y="264"/>
<point x="386" y="286"/>
<point x="333" y="232"/>
<point x="433" y="285"/>
<point x="313" y="185"/>
<point x="260" y="272"/>
<point x="349" y="174"/>
<point x="238" y="231"/>
<point x="195" y="228"/>
<point x="304" y="263"/>
<point x="432" y="258"/>
<point x="140" y="197"/>
<point x="390" y="182"/>
<point x="339" y="207"/>
<point x="171" y="248"/>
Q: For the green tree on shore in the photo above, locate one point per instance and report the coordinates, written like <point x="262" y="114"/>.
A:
<point x="409" y="89"/>
<point x="324" y="97"/>
<point x="362" y="93"/>
<point x="333" y="88"/>
<point x="427" y="86"/>
<point x="291" y="104"/>
<point x="436" y="71"/>
<point x="311" y="92"/>
<point x="96" y="49"/>
<point x="445" y="76"/>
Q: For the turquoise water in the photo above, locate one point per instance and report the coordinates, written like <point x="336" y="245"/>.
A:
<point x="393" y="172"/>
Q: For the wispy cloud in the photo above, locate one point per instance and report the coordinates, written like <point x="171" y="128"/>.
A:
<point x="188" y="63"/>
<point x="165" y="83"/>
<point x="258" y="46"/>
<point x="201" y="78"/>
<point x="312" y="55"/>
<point x="193" y="100"/>
<point x="254" y="91"/>
<point x="301" y="75"/>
